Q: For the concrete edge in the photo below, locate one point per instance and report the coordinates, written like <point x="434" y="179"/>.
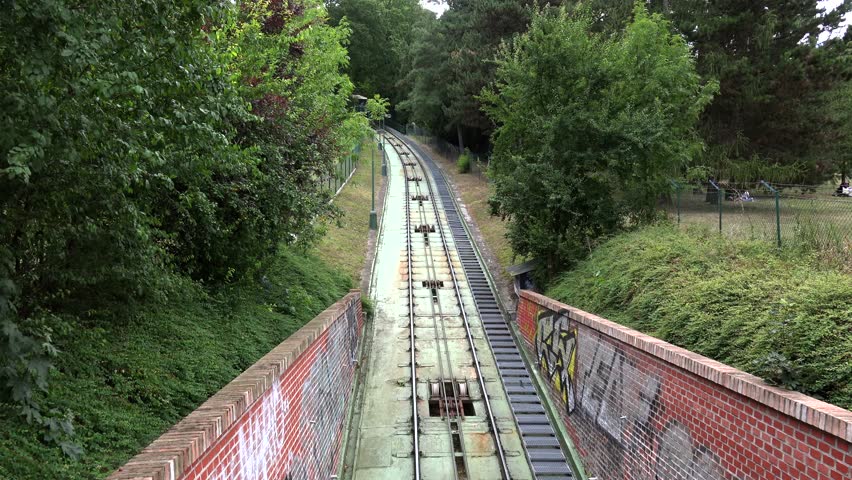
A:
<point x="170" y="455"/>
<point x="829" y="418"/>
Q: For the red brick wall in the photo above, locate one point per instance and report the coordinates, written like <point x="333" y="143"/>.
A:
<point x="283" y="418"/>
<point x="639" y="408"/>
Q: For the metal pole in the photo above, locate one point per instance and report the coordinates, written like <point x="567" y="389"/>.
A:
<point x="721" y="197"/>
<point x="777" y="211"/>
<point x="778" y="218"/>
<point x="374" y="224"/>
<point x="677" y="189"/>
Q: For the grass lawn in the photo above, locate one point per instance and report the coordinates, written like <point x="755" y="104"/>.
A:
<point x="345" y="243"/>
<point x="817" y="219"/>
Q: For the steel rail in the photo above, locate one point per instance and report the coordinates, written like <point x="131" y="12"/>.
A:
<point x="414" y="418"/>
<point x="536" y="420"/>
<point x="440" y="313"/>
<point x="409" y="247"/>
<point x="490" y="414"/>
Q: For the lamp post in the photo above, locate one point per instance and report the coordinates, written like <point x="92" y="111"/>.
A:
<point x="384" y="157"/>
<point x="374" y="222"/>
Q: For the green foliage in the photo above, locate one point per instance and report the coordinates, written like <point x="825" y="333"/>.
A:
<point x="590" y="129"/>
<point x="777" y="84"/>
<point x="144" y="140"/>
<point x="451" y="62"/>
<point x="782" y="317"/>
<point x="463" y="163"/>
<point x="130" y="378"/>
<point x="377" y="108"/>
<point x="382" y="32"/>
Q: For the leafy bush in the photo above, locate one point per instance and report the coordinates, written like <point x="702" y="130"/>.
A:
<point x="589" y="129"/>
<point x="130" y="378"/>
<point x="145" y="140"/>
<point x="463" y="163"/>
<point x="782" y="317"/>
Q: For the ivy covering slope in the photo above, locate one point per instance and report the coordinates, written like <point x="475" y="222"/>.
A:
<point x="782" y="317"/>
<point x="130" y="379"/>
<point x="145" y="144"/>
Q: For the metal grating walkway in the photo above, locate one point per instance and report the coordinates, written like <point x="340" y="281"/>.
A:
<point x="542" y="447"/>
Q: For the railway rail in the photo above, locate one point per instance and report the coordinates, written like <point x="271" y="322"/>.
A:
<point x="446" y="386"/>
<point x="540" y="443"/>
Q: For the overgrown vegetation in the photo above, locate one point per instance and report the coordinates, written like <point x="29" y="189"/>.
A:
<point x="590" y="129"/>
<point x="450" y="62"/>
<point x="130" y="376"/>
<point x="463" y="163"/>
<point x="147" y="143"/>
<point x="344" y="244"/>
<point x="784" y="317"/>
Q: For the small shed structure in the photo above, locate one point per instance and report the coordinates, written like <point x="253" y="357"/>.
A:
<point x="522" y="275"/>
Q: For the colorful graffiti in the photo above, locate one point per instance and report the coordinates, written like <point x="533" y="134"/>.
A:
<point x="604" y="390"/>
<point x="295" y="429"/>
<point x="556" y="350"/>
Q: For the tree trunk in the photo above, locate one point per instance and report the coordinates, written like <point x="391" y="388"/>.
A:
<point x="461" y="141"/>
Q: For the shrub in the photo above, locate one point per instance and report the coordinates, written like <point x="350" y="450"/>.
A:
<point x="589" y="129"/>
<point x="779" y="316"/>
<point x="463" y="163"/>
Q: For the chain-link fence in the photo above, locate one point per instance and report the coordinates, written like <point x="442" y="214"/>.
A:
<point x="816" y="215"/>
<point x="343" y="170"/>
<point x="478" y="161"/>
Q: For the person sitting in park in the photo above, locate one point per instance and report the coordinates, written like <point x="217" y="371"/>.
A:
<point x="746" y="197"/>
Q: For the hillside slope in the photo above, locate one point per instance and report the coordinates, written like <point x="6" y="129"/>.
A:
<point x="777" y="315"/>
<point x="128" y="379"/>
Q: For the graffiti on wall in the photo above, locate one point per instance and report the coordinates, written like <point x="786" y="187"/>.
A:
<point x="556" y="351"/>
<point x="601" y="385"/>
<point x="296" y="428"/>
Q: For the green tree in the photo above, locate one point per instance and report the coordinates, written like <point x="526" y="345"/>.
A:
<point x="452" y="63"/>
<point x="377" y="108"/>
<point x="589" y="129"/>
<point x="771" y="116"/>
<point x="381" y="34"/>
<point x="145" y="139"/>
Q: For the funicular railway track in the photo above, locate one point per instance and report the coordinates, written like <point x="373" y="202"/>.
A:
<point x="541" y="447"/>
<point x="423" y="217"/>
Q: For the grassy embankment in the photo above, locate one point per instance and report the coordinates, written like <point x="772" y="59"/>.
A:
<point x="783" y="316"/>
<point x="345" y="243"/>
<point x="131" y="376"/>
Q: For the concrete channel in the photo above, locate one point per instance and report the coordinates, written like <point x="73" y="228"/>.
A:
<point x="450" y="417"/>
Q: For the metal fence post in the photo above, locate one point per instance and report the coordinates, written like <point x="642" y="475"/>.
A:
<point x="678" y="204"/>
<point x="777" y="210"/>
<point x="721" y="197"/>
<point x="677" y="188"/>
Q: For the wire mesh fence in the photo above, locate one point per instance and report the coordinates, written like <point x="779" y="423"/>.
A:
<point x="815" y="215"/>
<point x="344" y="168"/>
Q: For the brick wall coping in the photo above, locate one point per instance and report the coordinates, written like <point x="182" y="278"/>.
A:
<point x="824" y="416"/>
<point x="168" y="457"/>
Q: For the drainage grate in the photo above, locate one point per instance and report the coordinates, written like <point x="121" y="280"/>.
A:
<point x="424" y="228"/>
<point x="433" y="283"/>
<point x="420" y="198"/>
<point x="414" y="179"/>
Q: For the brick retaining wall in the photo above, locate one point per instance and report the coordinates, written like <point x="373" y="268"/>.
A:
<point x="640" y="408"/>
<point x="280" y="419"/>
